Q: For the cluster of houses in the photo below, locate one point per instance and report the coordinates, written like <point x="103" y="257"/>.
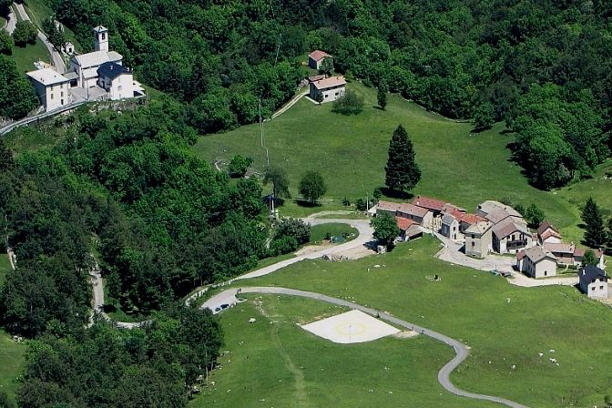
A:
<point x="96" y="75"/>
<point x="323" y="88"/>
<point x="498" y="228"/>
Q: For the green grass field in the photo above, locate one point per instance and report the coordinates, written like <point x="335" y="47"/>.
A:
<point x="351" y="153"/>
<point x="12" y="356"/>
<point x="275" y="363"/>
<point x="5" y="267"/>
<point x="25" y="57"/>
<point x="320" y="232"/>
<point x="504" y="325"/>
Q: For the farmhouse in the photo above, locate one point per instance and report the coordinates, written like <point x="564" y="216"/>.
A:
<point x="316" y="58"/>
<point x="328" y="89"/>
<point x="478" y="239"/>
<point x="51" y="88"/>
<point x="409" y="229"/>
<point x="435" y="206"/>
<point x="536" y="262"/>
<point x="562" y="251"/>
<point x="593" y="282"/>
<point x="420" y="216"/>
<point x="547" y="233"/>
<point x="599" y="255"/>
<point x="510" y="236"/>
<point x="450" y="227"/>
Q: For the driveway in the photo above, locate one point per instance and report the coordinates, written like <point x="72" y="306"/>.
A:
<point x="11" y="22"/>
<point x="451" y="253"/>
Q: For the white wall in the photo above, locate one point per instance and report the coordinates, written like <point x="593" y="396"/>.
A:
<point x="544" y="268"/>
<point x="53" y="96"/>
<point x="122" y="87"/>
<point x="598" y="288"/>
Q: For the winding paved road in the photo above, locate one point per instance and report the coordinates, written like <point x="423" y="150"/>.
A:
<point x="461" y="349"/>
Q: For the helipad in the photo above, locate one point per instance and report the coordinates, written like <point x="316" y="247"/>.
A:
<point x="350" y="327"/>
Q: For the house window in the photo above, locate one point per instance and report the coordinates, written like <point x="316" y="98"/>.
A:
<point x="473" y="244"/>
<point x="103" y="36"/>
<point x="326" y="95"/>
<point x="51" y="95"/>
<point x="62" y="102"/>
<point x="601" y="287"/>
<point x="545" y="273"/>
<point x="62" y="94"/>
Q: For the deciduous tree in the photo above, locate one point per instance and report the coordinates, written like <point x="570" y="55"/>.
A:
<point x="385" y="228"/>
<point x="312" y="186"/>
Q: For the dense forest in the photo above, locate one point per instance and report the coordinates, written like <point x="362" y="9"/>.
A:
<point x="540" y="66"/>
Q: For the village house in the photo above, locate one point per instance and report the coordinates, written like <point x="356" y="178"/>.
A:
<point x="593" y="282"/>
<point x="547" y="233"/>
<point x="450" y="227"/>
<point x="328" y="89"/>
<point x="316" y="58"/>
<point x="420" y="216"/>
<point x="510" y="236"/>
<point x="51" y="88"/>
<point x="409" y="229"/>
<point x="435" y="206"/>
<point x="478" y="239"/>
<point x="599" y="255"/>
<point x="562" y="251"/>
<point x="536" y="262"/>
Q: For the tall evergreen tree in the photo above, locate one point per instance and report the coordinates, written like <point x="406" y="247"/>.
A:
<point x="402" y="171"/>
<point x="595" y="235"/>
<point x="382" y="95"/>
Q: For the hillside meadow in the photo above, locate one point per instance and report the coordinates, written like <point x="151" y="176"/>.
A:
<point x="504" y="325"/>
<point x="351" y="151"/>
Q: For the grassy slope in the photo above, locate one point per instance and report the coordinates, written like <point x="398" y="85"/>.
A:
<point x="274" y="363"/>
<point x="5" y="267"/>
<point x="39" y="11"/>
<point x="351" y="153"/>
<point x="472" y="306"/>
<point x="26" y="57"/>
<point x="12" y="356"/>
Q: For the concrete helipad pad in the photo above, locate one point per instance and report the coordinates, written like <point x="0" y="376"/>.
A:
<point x="350" y="327"/>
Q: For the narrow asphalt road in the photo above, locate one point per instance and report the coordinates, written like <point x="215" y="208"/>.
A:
<point x="461" y="350"/>
<point x="11" y="22"/>
<point x="56" y="58"/>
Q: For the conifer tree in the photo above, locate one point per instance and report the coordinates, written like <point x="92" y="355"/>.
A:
<point x="595" y="235"/>
<point x="402" y="171"/>
<point x="382" y="95"/>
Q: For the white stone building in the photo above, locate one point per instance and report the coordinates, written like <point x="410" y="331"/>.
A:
<point x="593" y="282"/>
<point x="328" y="89"/>
<point x="536" y="262"/>
<point x="51" y="87"/>
<point x="116" y="80"/>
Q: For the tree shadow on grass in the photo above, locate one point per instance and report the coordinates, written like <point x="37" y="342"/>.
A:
<point x="307" y="204"/>
<point x="404" y="195"/>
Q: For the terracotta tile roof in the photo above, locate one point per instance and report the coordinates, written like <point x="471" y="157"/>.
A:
<point x="412" y="210"/>
<point x="549" y="233"/>
<point x="560" y="247"/>
<point x="315" y="78"/>
<point x="404" y="223"/>
<point x="537" y="254"/>
<point x="318" y="55"/>
<point x="329" y="82"/>
<point x="520" y="254"/>
<point x="479" y="228"/>
<point x="507" y="227"/>
<point x="429" y="203"/>
<point x="546" y="225"/>
<point x="388" y="206"/>
<point x="579" y="253"/>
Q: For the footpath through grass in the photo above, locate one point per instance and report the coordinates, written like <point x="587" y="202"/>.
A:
<point x="275" y="363"/>
<point x="351" y="152"/>
<point x="504" y="325"/>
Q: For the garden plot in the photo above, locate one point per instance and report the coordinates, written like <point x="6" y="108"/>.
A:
<point x="350" y="327"/>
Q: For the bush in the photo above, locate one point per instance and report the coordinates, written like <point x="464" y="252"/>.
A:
<point x="25" y="33"/>
<point x="239" y="166"/>
<point x="6" y="43"/>
<point x="290" y="227"/>
<point x="283" y="245"/>
<point x="360" y="204"/>
<point x="349" y="104"/>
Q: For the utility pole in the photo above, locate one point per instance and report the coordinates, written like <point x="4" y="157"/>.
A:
<point x="261" y="142"/>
